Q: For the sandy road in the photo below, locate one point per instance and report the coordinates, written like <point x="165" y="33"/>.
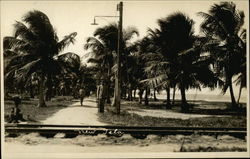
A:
<point x="76" y="114"/>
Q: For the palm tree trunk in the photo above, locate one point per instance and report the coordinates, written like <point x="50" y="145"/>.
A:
<point x="108" y="86"/>
<point x="168" y="105"/>
<point x="130" y="90"/>
<point x="49" y="90"/>
<point x="233" y="102"/>
<point x="41" y="91"/>
<point x="31" y="91"/>
<point x="173" y="100"/>
<point x="146" y="97"/>
<point x="184" y="104"/>
<point x="155" y="99"/>
<point x="130" y="97"/>
<point x="134" y="93"/>
<point x="124" y="93"/>
<point x="238" y="101"/>
<point x="108" y="94"/>
<point x="140" y="95"/>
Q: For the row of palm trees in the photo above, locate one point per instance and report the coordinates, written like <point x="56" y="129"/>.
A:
<point x="172" y="56"/>
<point x="168" y="57"/>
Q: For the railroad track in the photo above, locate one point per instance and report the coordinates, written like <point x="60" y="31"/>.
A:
<point x="49" y="130"/>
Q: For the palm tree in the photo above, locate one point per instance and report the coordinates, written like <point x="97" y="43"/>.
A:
<point x="104" y="47"/>
<point x="156" y="66"/>
<point x="36" y="48"/>
<point x="183" y="64"/>
<point x="241" y="80"/>
<point x="140" y="74"/>
<point x="222" y="25"/>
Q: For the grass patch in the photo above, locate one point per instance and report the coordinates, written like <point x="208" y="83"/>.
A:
<point x="130" y="119"/>
<point x="29" y="107"/>
<point x="197" y="107"/>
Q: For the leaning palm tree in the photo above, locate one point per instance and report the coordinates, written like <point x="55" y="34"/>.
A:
<point x="35" y="48"/>
<point x="222" y="26"/>
<point x="242" y="79"/>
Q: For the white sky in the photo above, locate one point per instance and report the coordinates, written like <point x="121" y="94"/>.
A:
<point x="76" y="16"/>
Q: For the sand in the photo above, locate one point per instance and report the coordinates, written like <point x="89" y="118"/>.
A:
<point x="76" y="114"/>
<point x="167" y="114"/>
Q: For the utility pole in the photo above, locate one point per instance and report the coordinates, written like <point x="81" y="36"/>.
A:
<point x="117" y="100"/>
<point x="118" y="79"/>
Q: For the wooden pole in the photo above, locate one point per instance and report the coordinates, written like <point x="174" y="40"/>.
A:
<point x="117" y="100"/>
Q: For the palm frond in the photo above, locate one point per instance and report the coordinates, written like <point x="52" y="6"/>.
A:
<point x="19" y="60"/>
<point x="94" y="44"/>
<point x="239" y="16"/>
<point x="129" y="33"/>
<point x="22" y="31"/>
<point x="70" y="59"/>
<point x="212" y="24"/>
<point x="153" y="33"/>
<point x="9" y="53"/>
<point x="67" y="40"/>
<point x="13" y="43"/>
<point x="158" y="81"/>
<point x="40" y="25"/>
<point x="94" y="60"/>
<point x="25" y="71"/>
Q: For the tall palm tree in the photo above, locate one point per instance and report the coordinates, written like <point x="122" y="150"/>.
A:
<point x="183" y="63"/>
<point x="103" y="48"/>
<point x="139" y="73"/>
<point x="157" y="66"/>
<point x="36" y="48"/>
<point x="242" y="79"/>
<point x="222" y="25"/>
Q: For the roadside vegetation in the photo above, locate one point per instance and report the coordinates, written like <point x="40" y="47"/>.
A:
<point x="34" y="114"/>
<point x="130" y="119"/>
<point x="216" y="117"/>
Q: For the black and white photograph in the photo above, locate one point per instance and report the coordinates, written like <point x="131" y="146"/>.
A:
<point x="124" y="79"/>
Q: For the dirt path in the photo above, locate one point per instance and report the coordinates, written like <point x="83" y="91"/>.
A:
<point x="77" y="114"/>
<point x="87" y="114"/>
<point x="168" y="114"/>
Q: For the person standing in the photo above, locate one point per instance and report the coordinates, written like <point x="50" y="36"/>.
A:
<point x="81" y="94"/>
<point x="101" y="96"/>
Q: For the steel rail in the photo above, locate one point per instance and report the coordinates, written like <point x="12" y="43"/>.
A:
<point x="124" y="127"/>
<point x="50" y="130"/>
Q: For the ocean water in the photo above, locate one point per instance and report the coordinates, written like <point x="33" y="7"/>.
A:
<point x="206" y="95"/>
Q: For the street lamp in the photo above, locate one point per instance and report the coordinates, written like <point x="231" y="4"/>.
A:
<point x="117" y="95"/>
<point x="101" y="16"/>
<point x="94" y="23"/>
